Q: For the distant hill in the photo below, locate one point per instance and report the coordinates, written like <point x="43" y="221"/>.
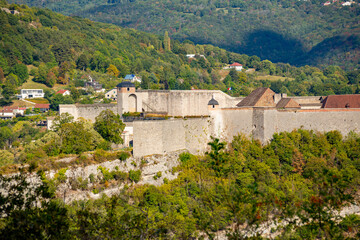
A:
<point x="65" y="50"/>
<point x="290" y="31"/>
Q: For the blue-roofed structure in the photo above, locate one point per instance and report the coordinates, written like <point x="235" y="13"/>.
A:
<point x="132" y="78"/>
<point x="129" y="76"/>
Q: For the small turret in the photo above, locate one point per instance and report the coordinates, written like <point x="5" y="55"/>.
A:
<point x="213" y="104"/>
<point x="126" y="87"/>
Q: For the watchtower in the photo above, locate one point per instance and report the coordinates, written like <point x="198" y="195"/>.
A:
<point x="127" y="99"/>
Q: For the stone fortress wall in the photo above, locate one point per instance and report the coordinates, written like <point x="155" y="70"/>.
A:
<point x="224" y="121"/>
<point x="262" y="123"/>
<point x="161" y="137"/>
<point x="173" y="102"/>
<point x="87" y="111"/>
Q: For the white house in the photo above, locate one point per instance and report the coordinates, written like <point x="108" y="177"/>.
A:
<point x="6" y="114"/>
<point x="237" y="66"/>
<point x="194" y="55"/>
<point x="132" y="78"/>
<point x="63" y="92"/>
<point x="112" y="94"/>
<point x="10" y="112"/>
<point x="349" y="3"/>
<point x="31" y="93"/>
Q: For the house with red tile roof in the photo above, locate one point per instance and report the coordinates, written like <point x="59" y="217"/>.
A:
<point x="63" y="92"/>
<point x="10" y="112"/>
<point x="236" y="66"/>
<point x="44" y="107"/>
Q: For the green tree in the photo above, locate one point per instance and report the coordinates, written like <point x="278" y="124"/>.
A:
<point x="167" y="42"/>
<point x="82" y="62"/>
<point x="217" y="156"/>
<point x="60" y="120"/>
<point x="76" y="138"/>
<point x="59" y="99"/>
<point x="23" y="218"/>
<point x="109" y="126"/>
<point x="21" y="71"/>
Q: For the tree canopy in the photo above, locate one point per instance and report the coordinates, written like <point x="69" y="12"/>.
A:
<point x="109" y="126"/>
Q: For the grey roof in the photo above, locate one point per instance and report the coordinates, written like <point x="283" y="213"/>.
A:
<point x="125" y="84"/>
<point x="213" y="102"/>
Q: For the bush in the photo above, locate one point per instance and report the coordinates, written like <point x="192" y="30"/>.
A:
<point x="92" y="178"/>
<point x="100" y="155"/>
<point x="135" y="176"/>
<point x="123" y="156"/>
<point x="60" y="176"/>
<point x="119" y="175"/>
<point x="104" y="145"/>
<point x="158" y="175"/>
<point x="184" y="157"/>
<point x="107" y="176"/>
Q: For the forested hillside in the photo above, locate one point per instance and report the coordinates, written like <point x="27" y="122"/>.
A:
<point x="290" y="31"/>
<point x="55" y="49"/>
<point x="300" y="181"/>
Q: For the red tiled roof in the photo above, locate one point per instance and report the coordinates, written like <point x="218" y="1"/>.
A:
<point x="62" y="91"/>
<point x="342" y="101"/>
<point x="42" y="105"/>
<point x="235" y="64"/>
<point x="7" y="111"/>
<point x="13" y="108"/>
<point x="10" y="108"/>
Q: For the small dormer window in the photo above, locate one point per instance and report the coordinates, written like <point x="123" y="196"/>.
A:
<point x="128" y="89"/>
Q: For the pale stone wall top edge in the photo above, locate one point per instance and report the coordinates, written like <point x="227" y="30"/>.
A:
<point x="180" y="91"/>
<point x="88" y="105"/>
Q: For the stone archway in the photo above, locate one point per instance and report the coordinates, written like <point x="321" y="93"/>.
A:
<point x="132" y="100"/>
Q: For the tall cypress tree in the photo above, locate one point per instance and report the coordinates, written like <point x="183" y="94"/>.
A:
<point x="167" y="41"/>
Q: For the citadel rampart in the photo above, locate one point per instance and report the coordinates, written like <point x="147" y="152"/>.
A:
<point x="160" y="137"/>
<point x="173" y="102"/>
<point x="87" y="111"/>
<point x="261" y="114"/>
<point x="262" y="123"/>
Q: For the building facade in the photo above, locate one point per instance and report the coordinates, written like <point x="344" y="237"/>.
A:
<point x="31" y="93"/>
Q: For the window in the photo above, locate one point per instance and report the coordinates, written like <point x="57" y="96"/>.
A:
<point x="128" y="89"/>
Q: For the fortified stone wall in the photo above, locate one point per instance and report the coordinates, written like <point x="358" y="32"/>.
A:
<point x="184" y="103"/>
<point x="262" y="123"/>
<point x="230" y="121"/>
<point x="87" y="111"/>
<point x="323" y="120"/>
<point x="160" y="137"/>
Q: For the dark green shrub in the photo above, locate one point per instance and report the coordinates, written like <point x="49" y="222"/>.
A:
<point x="123" y="156"/>
<point x="135" y="175"/>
